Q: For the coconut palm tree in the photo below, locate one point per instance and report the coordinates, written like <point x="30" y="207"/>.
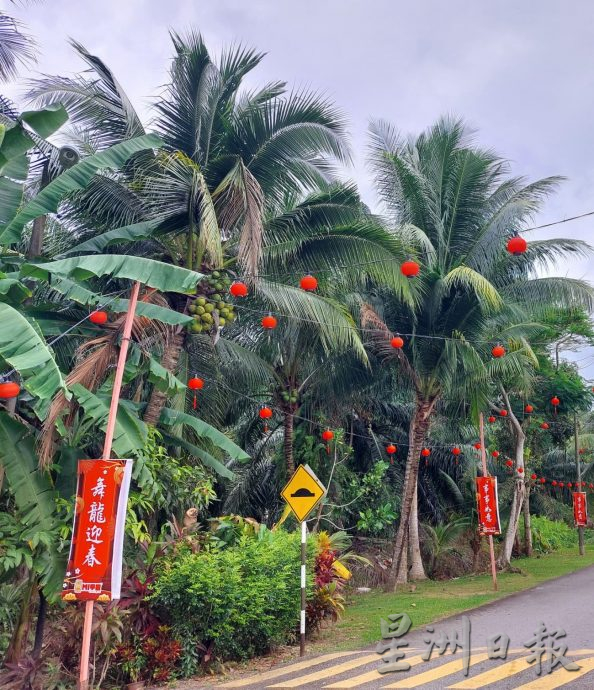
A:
<point x="15" y="46"/>
<point x="457" y="202"/>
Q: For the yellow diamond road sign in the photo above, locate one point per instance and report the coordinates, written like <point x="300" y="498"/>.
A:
<point x="303" y="491"/>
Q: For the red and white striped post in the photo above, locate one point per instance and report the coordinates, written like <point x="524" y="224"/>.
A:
<point x="303" y="587"/>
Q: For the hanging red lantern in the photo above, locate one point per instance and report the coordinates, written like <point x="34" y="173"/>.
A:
<point x="9" y="389"/>
<point x="477" y="446"/>
<point x="98" y="317"/>
<point x="498" y="351"/>
<point x="327" y="436"/>
<point x="269" y="322"/>
<point x="503" y="413"/>
<point x="508" y="463"/>
<point x="590" y="486"/>
<point x="195" y="384"/>
<point x="561" y="484"/>
<point x="554" y="483"/>
<point x="309" y="283"/>
<point x="583" y="484"/>
<point x="521" y="470"/>
<point x="492" y="419"/>
<point x="456" y="451"/>
<point x="410" y="269"/>
<point x="543" y="480"/>
<point x="425" y="452"/>
<point x="529" y="409"/>
<point x="517" y="245"/>
<point x="555" y="401"/>
<point x="397" y="342"/>
<point x="265" y="413"/>
<point x="495" y="453"/>
<point x="391" y="449"/>
<point x="569" y="485"/>
<point x="544" y="425"/>
<point x="533" y="476"/>
<point x="238" y="289"/>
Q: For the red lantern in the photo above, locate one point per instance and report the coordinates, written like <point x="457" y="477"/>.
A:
<point x="265" y="413"/>
<point x="9" y="389"/>
<point x="425" y="452"/>
<point x="529" y="409"/>
<point x="544" y="425"/>
<point x="391" y="449"/>
<point x="492" y="419"/>
<point x="503" y="413"/>
<point x="543" y="480"/>
<point x="498" y="351"/>
<point x="410" y="269"/>
<point x="561" y="484"/>
<point x="569" y="485"/>
<point x="238" y="289"/>
<point x="533" y="476"/>
<point x="555" y="401"/>
<point x="309" y="283"/>
<point x="98" y="317"/>
<point x="195" y="384"/>
<point x="495" y="453"/>
<point x="327" y="436"/>
<point x="521" y="470"/>
<point x="397" y="342"/>
<point x="456" y="451"/>
<point x="269" y="322"/>
<point x="477" y="446"/>
<point x="590" y="486"/>
<point x="509" y="463"/>
<point x="516" y="245"/>
<point x="554" y="483"/>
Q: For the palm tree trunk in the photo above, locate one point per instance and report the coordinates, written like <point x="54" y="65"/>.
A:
<point x="417" y="571"/>
<point x="516" y="508"/>
<point x="527" y="525"/>
<point x="18" y="644"/>
<point x="169" y="361"/>
<point x="402" y="577"/>
<point x="288" y="443"/>
<point x="416" y="435"/>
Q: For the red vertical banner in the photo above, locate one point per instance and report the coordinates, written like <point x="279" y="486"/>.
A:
<point x="94" y="570"/>
<point x="580" y="509"/>
<point x="487" y="505"/>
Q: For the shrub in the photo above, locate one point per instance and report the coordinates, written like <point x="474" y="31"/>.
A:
<point x="549" y="535"/>
<point x="234" y="602"/>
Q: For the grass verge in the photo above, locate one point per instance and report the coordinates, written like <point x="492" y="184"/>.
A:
<point x="431" y="600"/>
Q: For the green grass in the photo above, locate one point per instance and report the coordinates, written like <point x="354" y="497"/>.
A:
<point x="431" y="600"/>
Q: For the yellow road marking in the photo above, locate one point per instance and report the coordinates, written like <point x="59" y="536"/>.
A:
<point x="284" y="670"/>
<point x="559" y="677"/>
<point x="356" y="681"/>
<point x="328" y="672"/>
<point x="436" y="673"/>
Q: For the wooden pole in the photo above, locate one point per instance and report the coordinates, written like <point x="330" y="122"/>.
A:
<point x="83" y="683"/>
<point x="581" y="547"/>
<point x="486" y="474"/>
<point x="303" y="585"/>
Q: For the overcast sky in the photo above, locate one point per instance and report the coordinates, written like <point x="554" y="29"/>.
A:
<point x="520" y="73"/>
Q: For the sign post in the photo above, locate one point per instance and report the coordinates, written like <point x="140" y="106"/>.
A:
<point x="485" y="476"/>
<point x="83" y="683"/>
<point x="302" y="493"/>
<point x="580" y="525"/>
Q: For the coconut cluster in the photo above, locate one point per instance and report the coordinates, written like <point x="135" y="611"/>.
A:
<point x="209" y="308"/>
<point x="290" y="396"/>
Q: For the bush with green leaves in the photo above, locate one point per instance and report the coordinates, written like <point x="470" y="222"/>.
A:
<point x="234" y="602"/>
<point x="550" y="535"/>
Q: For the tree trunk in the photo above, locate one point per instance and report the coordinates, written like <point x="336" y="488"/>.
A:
<point x="416" y="435"/>
<point x="527" y="526"/>
<point x="170" y="360"/>
<point x="40" y="627"/>
<point x="288" y="443"/>
<point x="18" y="644"/>
<point x="416" y="572"/>
<point x="402" y="577"/>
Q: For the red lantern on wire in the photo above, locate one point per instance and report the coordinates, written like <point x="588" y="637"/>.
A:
<point x="238" y="289"/>
<point x="517" y="245"/>
<point x="533" y="476"/>
<point x="529" y="409"/>
<point x="390" y="450"/>
<point x="520" y="470"/>
<point x="544" y="425"/>
<point x="590" y="486"/>
<point x="508" y="463"/>
<point x="425" y="452"/>
<point x="561" y="485"/>
<point x="492" y="419"/>
<point x="195" y="384"/>
<point x="9" y="389"/>
<point x="456" y="451"/>
<point x="495" y="454"/>
<point x="569" y="485"/>
<point x="309" y="283"/>
<point x="327" y="436"/>
<point x="554" y="483"/>
<point x="397" y="342"/>
<point x="477" y="446"/>
<point x="265" y="414"/>
<point x="498" y="351"/>
<point x="410" y="269"/>
<point x="269" y="322"/>
<point x="99" y="318"/>
<point x="503" y="413"/>
<point x="555" y="402"/>
<point x="543" y="480"/>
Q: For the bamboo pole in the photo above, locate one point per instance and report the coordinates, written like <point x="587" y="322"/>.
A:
<point x="576" y="440"/>
<point x="485" y="474"/>
<point x="109" y="432"/>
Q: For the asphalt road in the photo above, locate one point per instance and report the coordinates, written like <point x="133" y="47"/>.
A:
<point x="565" y="603"/>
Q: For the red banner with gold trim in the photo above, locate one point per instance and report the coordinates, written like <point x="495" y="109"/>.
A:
<point x="94" y="568"/>
<point x="580" y="508"/>
<point x="488" y="505"/>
